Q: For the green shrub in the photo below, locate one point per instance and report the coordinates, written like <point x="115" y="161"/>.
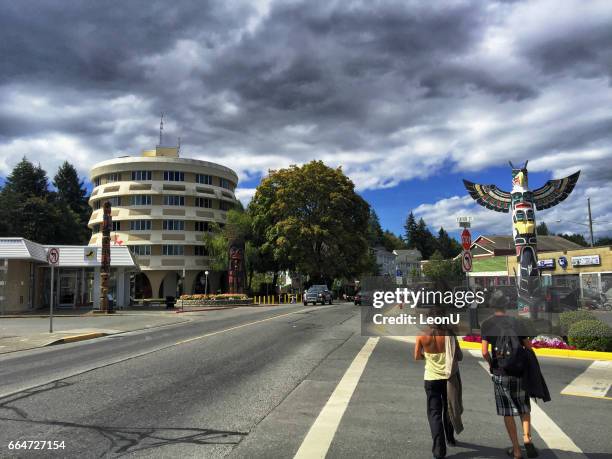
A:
<point x="591" y="335"/>
<point x="569" y="318"/>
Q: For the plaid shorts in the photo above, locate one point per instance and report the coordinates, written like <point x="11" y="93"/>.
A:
<point x="510" y="396"/>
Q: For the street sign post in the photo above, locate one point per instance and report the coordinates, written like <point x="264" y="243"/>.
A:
<point x="53" y="259"/>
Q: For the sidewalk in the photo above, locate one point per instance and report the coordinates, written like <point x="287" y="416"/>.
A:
<point x="28" y="332"/>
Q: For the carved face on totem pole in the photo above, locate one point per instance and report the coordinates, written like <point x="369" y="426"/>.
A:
<point x="522" y="203"/>
<point x="236" y="267"/>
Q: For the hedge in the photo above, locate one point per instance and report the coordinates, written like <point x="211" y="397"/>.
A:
<point x="591" y="335"/>
<point x="569" y="318"/>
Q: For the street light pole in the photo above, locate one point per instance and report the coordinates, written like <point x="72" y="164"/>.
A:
<point x="206" y="283"/>
<point x="590" y="221"/>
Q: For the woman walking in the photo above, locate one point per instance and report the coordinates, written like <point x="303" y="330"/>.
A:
<point x="438" y="346"/>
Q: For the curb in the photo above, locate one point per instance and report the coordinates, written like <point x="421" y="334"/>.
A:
<point x="556" y="353"/>
<point x="75" y="338"/>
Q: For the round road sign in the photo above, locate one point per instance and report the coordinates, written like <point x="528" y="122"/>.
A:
<point x="53" y="256"/>
<point x="466" y="261"/>
<point x="466" y="239"/>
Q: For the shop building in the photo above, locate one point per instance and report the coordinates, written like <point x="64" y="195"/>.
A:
<point x="25" y="276"/>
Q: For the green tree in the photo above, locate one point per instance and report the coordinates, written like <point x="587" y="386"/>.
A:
<point x="605" y="240"/>
<point x="217" y="242"/>
<point x="310" y="220"/>
<point x="424" y="240"/>
<point x="71" y="192"/>
<point x="575" y="237"/>
<point x="443" y="273"/>
<point x="375" y="233"/>
<point x="447" y="246"/>
<point x="393" y="242"/>
<point x="27" y="180"/>
<point x="410" y="228"/>
<point x="28" y="209"/>
<point x="542" y="229"/>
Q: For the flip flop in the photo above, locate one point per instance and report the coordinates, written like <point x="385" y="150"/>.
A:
<point x="531" y="450"/>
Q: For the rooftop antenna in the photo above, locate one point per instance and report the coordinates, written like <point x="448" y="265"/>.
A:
<point x="161" y="128"/>
<point x="178" y="148"/>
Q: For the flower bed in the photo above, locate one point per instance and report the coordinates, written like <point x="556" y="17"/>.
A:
<point x="539" y="342"/>
<point x="226" y="299"/>
<point x="550" y="342"/>
<point x="215" y="296"/>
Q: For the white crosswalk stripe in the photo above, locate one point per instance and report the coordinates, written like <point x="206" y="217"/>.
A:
<point x="319" y="437"/>
<point x="594" y="382"/>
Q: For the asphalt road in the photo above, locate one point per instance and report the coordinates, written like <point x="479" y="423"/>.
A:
<point x="252" y="383"/>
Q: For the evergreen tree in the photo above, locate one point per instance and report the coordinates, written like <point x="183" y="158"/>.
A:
<point x="410" y="228"/>
<point x="374" y="231"/>
<point x="447" y="246"/>
<point x="424" y="240"/>
<point x="27" y="180"/>
<point x="575" y="237"/>
<point x="71" y="193"/>
<point x="542" y="229"/>
<point x="605" y="240"/>
<point x="28" y="209"/>
<point x="393" y="242"/>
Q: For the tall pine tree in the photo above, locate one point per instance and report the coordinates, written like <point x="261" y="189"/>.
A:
<point x="447" y="246"/>
<point x="410" y="231"/>
<point x="71" y="193"/>
<point x="28" y="209"/>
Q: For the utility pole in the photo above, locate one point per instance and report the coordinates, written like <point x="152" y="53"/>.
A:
<point x="590" y="221"/>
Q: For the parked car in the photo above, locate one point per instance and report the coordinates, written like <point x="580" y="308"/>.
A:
<point x="317" y="294"/>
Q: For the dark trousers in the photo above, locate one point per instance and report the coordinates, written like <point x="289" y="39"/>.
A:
<point x="437" y="414"/>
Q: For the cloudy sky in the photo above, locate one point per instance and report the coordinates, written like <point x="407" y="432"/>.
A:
<point x="407" y="96"/>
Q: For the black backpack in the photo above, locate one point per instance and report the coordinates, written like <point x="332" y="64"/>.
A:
<point x="509" y="352"/>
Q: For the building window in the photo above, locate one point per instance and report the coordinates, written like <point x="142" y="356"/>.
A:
<point x="202" y="226"/>
<point x="116" y="226"/>
<point x="203" y="202"/>
<point x="174" y="176"/>
<point x="174" y="225"/>
<point x="141" y="175"/>
<point x="96" y="205"/>
<point x="115" y="201"/>
<point x="114" y="177"/>
<point x="200" y="251"/>
<point x="204" y="179"/>
<point x="140" y="200"/>
<point x="95" y="229"/>
<point x="174" y="250"/>
<point x="224" y="205"/>
<point x="174" y="200"/>
<point x="97" y="181"/>
<point x="140" y="249"/>
<point x="225" y="183"/>
<point x="140" y="225"/>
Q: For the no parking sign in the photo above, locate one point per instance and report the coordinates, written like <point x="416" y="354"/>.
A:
<point x="466" y="261"/>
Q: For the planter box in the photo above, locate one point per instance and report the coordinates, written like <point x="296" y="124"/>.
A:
<point x="212" y="303"/>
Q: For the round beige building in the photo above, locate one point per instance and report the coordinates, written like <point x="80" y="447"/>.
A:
<point x="161" y="207"/>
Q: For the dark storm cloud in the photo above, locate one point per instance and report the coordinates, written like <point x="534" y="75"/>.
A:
<point x="392" y="90"/>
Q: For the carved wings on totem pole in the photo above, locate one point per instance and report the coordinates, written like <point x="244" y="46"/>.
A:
<point x="549" y="195"/>
<point x="522" y="203"/>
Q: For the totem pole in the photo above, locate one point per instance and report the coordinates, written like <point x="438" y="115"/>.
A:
<point x="521" y="202"/>
<point x="107" y="224"/>
<point x="236" y="272"/>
